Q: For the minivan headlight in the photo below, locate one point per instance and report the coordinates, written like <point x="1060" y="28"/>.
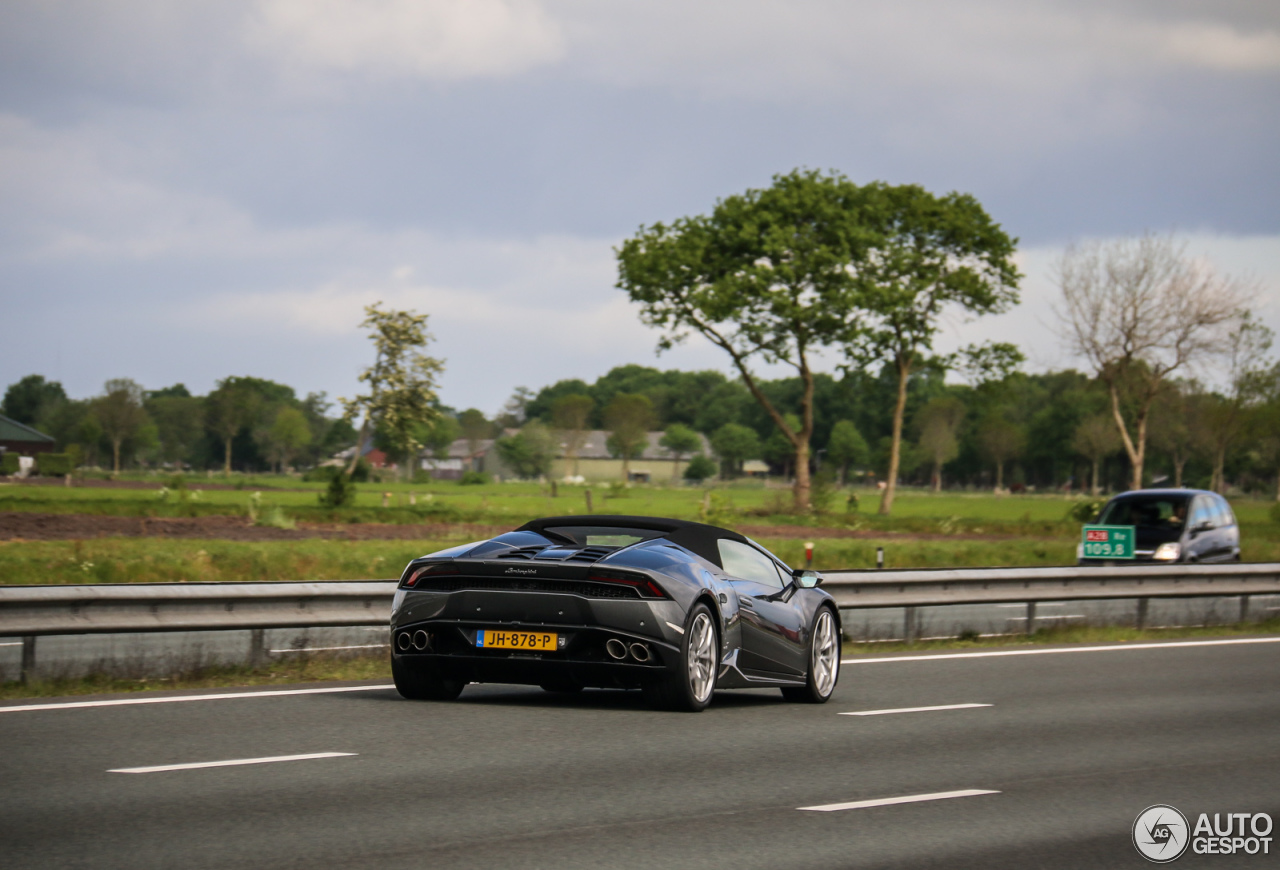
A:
<point x="1167" y="553"/>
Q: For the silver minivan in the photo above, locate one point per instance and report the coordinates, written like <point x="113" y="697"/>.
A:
<point x="1173" y="525"/>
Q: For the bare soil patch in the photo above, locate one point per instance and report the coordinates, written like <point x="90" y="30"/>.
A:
<point x="22" y="526"/>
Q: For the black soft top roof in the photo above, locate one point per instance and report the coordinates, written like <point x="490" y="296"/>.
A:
<point x="696" y="537"/>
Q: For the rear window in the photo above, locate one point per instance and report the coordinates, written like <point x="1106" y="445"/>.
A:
<point x="602" y="536"/>
<point x="1153" y="512"/>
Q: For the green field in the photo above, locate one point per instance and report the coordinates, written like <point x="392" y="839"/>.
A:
<point x="926" y="530"/>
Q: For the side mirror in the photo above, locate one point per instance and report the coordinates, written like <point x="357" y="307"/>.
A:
<point x="806" y="579"/>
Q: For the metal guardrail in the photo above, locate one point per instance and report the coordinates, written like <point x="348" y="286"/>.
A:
<point x="32" y="611"/>
<point x="941" y="587"/>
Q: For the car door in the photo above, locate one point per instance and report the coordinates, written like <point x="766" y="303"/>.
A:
<point x="773" y="639"/>
<point x="1200" y="530"/>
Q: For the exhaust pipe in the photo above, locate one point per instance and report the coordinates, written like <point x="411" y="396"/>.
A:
<point x="640" y="652"/>
<point x="421" y="640"/>
<point x="402" y="641"/>
<point x="615" y="648"/>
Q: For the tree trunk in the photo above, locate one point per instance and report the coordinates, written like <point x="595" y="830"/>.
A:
<point x="226" y="464"/>
<point x="937" y="476"/>
<point x="999" y="476"/>
<point x="1219" y="483"/>
<point x="115" y="458"/>
<point x="803" y="486"/>
<point x="1178" y="463"/>
<point x="1093" y="488"/>
<point x="675" y="468"/>
<point x="895" y="445"/>
<point x="355" y="457"/>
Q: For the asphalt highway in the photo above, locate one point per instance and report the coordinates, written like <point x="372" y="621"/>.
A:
<point x="1052" y="772"/>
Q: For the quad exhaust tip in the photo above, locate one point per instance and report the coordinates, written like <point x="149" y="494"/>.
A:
<point x="421" y="640"/>
<point x="639" y="652"/>
<point x="615" y="648"/>
<point x="402" y="641"/>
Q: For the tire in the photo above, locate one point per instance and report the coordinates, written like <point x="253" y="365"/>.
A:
<point x="824" y="662"/>
<point x="422" y="684"/>
<point x="691" y="687"/>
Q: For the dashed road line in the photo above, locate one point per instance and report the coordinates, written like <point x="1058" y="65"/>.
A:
<point x="175" y="699"/>
<point x="905" y="799"/>
<point x="235" y="762"/>
<point x="914" y="710"/>
<point x="1045" y="652"/>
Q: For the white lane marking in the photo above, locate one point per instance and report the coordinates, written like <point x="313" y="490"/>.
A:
<point x="1045" y="652"/>
<point x="235" y="762"/>
<point x="327" y="648"/>
<point x="914" y="710"/>
<point x="676" y="627"/>
<point x="173" y="699"/>
<point x="905" y="799"/>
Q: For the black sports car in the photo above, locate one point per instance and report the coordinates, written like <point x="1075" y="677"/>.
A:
<point x="676" y="609"/>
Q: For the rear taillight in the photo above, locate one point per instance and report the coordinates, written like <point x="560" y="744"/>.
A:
<point x="442" y="568"/>
<point x="641" y="583"/>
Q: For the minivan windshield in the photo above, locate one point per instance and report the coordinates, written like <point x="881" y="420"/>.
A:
<point x="1151" y="512"/>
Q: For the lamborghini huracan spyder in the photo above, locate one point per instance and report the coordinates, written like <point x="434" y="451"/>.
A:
<point x="676" y="609"/>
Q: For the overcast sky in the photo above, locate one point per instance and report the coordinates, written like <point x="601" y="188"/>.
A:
<point x="190" y="190"/>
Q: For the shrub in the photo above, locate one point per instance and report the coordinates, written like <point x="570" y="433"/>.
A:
<point x="700" y="468"/>
<point x="472" y="478"/>
<point x="340" y="492"/>
<point x="1275" y="512"/>
<point x="1086" y="511"/>
<point x="8" y="463"/>
<point x="53" y="464"/>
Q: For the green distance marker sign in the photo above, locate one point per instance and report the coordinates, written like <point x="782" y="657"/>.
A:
<point x="1108" y="542"/>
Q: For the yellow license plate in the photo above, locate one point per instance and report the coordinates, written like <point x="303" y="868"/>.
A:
<point x="491" y="638"/>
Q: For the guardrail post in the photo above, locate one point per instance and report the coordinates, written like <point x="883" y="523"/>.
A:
<point x="1244" y="608"/>
<point x="28" y="659"/>
<point x="1031" y="617"/>
<point x="257" y="648"/>
<point x="1142" y="612"/>
<point x="910" y="628"/>
<point x="879" y="558"/>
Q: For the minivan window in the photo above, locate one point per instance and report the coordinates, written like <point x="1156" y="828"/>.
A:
<point x="1202" y="514"/>
<point x="1152" y="511"/>
<point x="1226" y="517"/>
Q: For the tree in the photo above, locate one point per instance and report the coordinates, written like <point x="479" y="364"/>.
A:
<point x="179" y="423"/>
<point x="529" y="452"/>
<point x="679" y="439"/>
<point x="119" y="412"/>
<point x="699" y="469"/>
<point x="847" y="447"/>
<point x="734" y="444"/>
<point x="288" y="434"/>
<point x="230" y="408"/>
<point x="777" y="448"/>
<point x="939" y="423"/>
<point x="1001" y="440"/>
<point x="1095" y="439"/>
<point x="628" y="418"/>
<point x="29" y="399"/>
<point x="1169" y="429"/>
<point x="932" y="254"/>
<point x="475" y="428"/>
<point x="1138" y="310"/>
<point x="768" y="275"/>
<point x="440" y="435"/>
<point x="569" y="416"/>
<point x="401" y="381"/>
<point x="1247" y="382"/>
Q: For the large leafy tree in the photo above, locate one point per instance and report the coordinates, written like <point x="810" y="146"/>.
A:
<point x="680" y="440"/>
<point x="939" y="423"/>
<point x="1140" y="311"/>
<point x="734" y="444"/>
<point x="29" y="399"/>
<point x="119" y="412"/>
<point x="401" y="397"/>
<point x="628" y="418"/>
<point x="570" y="415"/>
<point x="932" y="255"/>
<point x="846" y="447"/>
<point x="234" y="405"/>
<point x="767" y="277"/>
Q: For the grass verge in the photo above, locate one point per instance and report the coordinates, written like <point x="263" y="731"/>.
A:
<point x="316" y="668"/>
